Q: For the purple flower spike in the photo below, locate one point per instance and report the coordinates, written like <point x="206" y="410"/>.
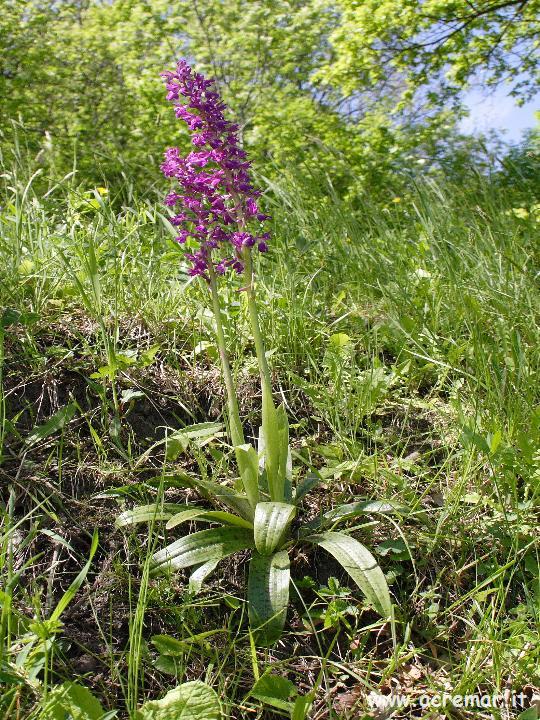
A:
<point x="215" y="186"/>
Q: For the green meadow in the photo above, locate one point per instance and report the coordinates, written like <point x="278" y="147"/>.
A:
<point x="399" y="306"/>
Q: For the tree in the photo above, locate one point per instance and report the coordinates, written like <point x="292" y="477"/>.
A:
<point x="84" y="74"/>
<point x="440" y="45"/>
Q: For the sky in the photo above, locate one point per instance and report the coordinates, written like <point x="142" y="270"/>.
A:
<point x="498" y="111"/>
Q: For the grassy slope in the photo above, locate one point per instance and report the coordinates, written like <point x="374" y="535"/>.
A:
<point x="405" y="342"/>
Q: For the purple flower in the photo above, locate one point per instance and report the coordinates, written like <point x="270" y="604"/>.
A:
<point x="184" y="234"/>
<point x="215" y="185"/>
<point x="242" y="239"/>
<point x="251" y="206"/>
<point x="171" y="199"/>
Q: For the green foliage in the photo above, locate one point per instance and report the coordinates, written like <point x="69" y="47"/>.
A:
<point x="83" y="93"/>
<point x="88" y="74"/>
<point x="28" y="646"/>
<point x="190" y="701"/>
<point x="54" y="424"/>
<point x="520" y="175"/>
<point x="271" y="525"/>
<point x="269" y="537"/>
<point x="435" y="41"/>
<point x="276" y="691"/>
<point x="71" y="700"/>
<point x="147" y="513"/>
<point x="438" y="296"/>
<point x="361" y="566"/>
<point x="268" y="595"/>
<point x="203" y="546"/>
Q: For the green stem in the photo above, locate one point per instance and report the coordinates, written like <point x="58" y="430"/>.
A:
<point x="254" y="320"/>
<point x="252" y="303"/>
<point x="270" y="426"/>
<point x="246" y="457"/>
<point x="237" y="433"/>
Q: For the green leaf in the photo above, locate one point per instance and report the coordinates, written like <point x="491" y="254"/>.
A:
<point x="198" y="576"/>
<point x="74" y="701"/>
<point x="302" y="706"/>
<point x="8" y="677"/>
<point x="176" y="444"/>
<point x="200" y="547"/>
<point x="338" y="341"/>
<point x="105" y="371"/>
<point x="237" y="502"/>
<point x="397" y="548"/>
<point x="220" y="516"/>
<point x="53" y="424"/>
<point x="274" y="690"/>
<point x="529" y="714"/>
<point x="351" y="510"/>
<point x="170" y="665"/>
<point x="147" y="513"/>
<point x="173" y="232"/>
<point x="208" y="489"/>
<point x="130" y="394"/>
<point x="361" y="566"/>
<point x="471" y="438"/>
<point x="147" y="357"/>
<point x="268" y="595"/>
<point x="226" y="518"/>
<point x="167" y="645"/>
<point x="178" y="479"/>
<point x="72" y="590"/>
<point x="57" y="538"/>
<point x="190" y="701"/>
<point x="285" y="458"/>
<point x="9" y="317"/>
<point x="495" y="442"/>
<point x="186" y="514"/>
<point x="201" y="433"/>
<point x="308" y="483"/>
<point x="272" y="521"/>
<point x="209" y="347"/>
<point x="271" y="434"/>
<point x="248" y="464"/>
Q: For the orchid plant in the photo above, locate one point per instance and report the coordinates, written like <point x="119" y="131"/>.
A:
<point x="219" y="222"/>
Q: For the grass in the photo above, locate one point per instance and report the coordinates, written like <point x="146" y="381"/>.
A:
<point x="405" y="342"/>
